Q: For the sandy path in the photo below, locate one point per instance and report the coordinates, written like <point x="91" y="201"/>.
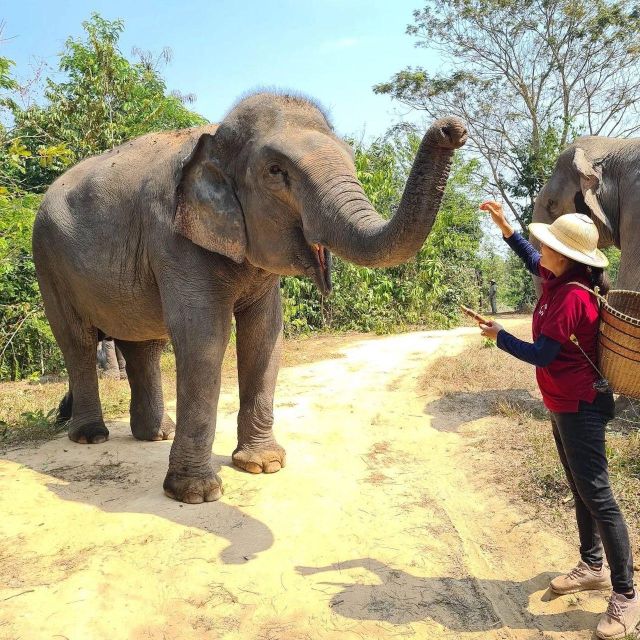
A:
<point x="381" y="526"/>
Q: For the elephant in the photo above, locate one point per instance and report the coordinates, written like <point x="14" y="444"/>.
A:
<point x="600" y="177"/>
<point x="174" y="234"/>
<point x="111" y="363"/>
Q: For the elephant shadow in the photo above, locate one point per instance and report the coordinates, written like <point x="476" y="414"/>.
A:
<point x="124" y="475"/>
<point x="453" y="410"/>
<point x="463" y="604"/>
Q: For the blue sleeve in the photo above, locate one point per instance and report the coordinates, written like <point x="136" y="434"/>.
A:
<point x="541" y="353"/>
<point x="525" y="251"/>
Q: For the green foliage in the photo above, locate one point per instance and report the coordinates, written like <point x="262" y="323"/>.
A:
<point x="613" y="254"/>
<point x="425" y="291"/>
<point x="26" y="342"/>
<point x="519" y="292"/>
<point x="103" y="100"/>
<point x="536" y="163"/>
<point x="527" y="77"/>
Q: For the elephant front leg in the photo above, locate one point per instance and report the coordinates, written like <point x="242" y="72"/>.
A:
<point x="259" y="345"/>
<point x="199" y="352"/>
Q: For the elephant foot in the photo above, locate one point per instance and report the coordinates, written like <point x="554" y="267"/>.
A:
<point x="165" y="431"/>
<point x="192" y="490"/>
<point x="269" y="459"/>
<point x="91" y="433"/>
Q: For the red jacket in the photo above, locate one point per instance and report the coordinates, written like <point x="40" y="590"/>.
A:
<point x="563" y="310"/>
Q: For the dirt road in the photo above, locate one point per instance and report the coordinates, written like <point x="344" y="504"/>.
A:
<point x="382" y="525"/>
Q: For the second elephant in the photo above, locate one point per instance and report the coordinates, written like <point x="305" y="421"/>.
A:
<point x="600" y="177"/>
<point x="111" y="362"/>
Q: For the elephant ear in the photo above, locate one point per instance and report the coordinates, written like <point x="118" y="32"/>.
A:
<point x="207" y="209"/>
<point x="590" y="178"/>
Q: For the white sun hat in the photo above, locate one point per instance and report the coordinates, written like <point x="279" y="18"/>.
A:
<point x="575" y="236"/>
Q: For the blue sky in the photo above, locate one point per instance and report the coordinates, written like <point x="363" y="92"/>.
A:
<point x="333" y="50"/>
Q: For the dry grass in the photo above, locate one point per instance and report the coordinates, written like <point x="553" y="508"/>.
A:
<point x="519" y="439"/>
<point x="27" y="409"/>
<point x="481" y="367"/>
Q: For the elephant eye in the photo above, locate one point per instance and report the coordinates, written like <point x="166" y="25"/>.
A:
<point x="275" y="169"/>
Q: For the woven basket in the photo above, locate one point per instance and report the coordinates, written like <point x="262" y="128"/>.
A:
<point x="619" y="341"/>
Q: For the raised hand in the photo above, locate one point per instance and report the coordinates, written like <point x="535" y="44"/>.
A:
<point x="497" y="215"/>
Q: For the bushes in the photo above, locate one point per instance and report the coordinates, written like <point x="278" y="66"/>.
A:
<point x="27" y="345"/>
<point x="427" y="290"/>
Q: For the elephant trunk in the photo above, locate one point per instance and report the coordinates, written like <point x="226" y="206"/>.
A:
<point x="338" y="215"/>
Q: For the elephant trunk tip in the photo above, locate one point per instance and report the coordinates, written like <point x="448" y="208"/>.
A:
<point x="447" y="133"/>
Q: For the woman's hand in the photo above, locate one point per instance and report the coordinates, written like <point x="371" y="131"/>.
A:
<point x="491" y="329"/>
<point x="497" y="215"/>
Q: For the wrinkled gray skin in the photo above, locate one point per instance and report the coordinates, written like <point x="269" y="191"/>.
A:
<point x="110" y="359"/>
<point x="600" y="177"/>
<point x="173" y="234"/>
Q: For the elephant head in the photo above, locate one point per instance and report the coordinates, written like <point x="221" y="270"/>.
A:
<point x="276" y="186"/>
<point x="577" y="185"/>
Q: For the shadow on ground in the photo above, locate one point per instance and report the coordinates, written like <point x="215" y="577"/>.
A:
<point x="453" y="410"/>
<point x="460" y="604"/>
<point x="124" y="475"/>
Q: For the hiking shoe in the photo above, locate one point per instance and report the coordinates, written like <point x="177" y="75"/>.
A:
<point x="581" y="578"/>
<point x="621" y="618"/>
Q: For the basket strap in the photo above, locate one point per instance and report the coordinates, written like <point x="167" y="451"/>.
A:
<point x="595" y="293"/>
<point x="575" y="341"/>
<point x="573" y="337"/>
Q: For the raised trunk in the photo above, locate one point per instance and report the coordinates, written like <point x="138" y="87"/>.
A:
<point x="338" y="215"/>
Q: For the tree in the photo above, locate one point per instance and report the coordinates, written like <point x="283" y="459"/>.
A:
<point x="526" y="75"/>
<point x="104" y="100"/>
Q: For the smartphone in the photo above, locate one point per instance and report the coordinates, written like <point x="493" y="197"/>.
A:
<point x="472" y="314"/>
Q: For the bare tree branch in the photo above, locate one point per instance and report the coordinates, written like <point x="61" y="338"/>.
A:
<point x="527" y="76"/>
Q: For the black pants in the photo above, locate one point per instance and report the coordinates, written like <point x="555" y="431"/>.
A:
<point x="580" y="438"/>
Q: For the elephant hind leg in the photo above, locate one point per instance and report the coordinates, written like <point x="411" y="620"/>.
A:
<point x="77" y="339"/>
<point x="148" y="418"/>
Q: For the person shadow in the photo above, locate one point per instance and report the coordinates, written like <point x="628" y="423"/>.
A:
<point x="462" y="604"/>
<point x="124" y="475"/>
<point x="456" y="409"/>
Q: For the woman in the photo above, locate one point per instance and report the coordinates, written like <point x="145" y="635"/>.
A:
<point x="580" y="408"/>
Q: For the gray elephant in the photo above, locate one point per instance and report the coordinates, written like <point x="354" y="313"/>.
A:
<point x="600" y="177"/>
<point x="172" y="234"/>
<point x="111" y="363"/>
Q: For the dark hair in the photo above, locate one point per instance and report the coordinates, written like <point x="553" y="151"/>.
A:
<point x="600" y="279"/>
